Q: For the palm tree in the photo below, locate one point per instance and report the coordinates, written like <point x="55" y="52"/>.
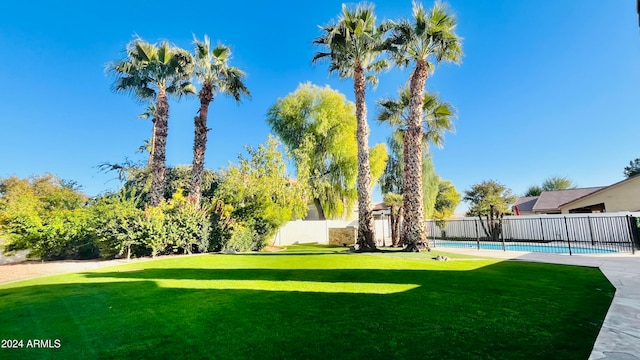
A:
<point x="436" y="120"/>
<point x="155" y="71"/>
<point x="437" y="116"/>
<point x="216" y="76"/>
<point x="353" y="45"/>
<point x="425" y="41"/>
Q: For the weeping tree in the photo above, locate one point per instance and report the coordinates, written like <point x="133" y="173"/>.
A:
<point x="317" y="126"/>
<point x="353" y="45"/>
<point x="217" y="77"/>
<point x="424" y="41"/>
<point x="155" y="72"/>
<point x="446" y="203"/>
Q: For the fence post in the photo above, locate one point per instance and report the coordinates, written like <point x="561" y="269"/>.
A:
<point x="566" y="226"/>
<point x="477" y="233"/>
<point x="542" y="229"/>
<point x="501" y="234"/>
<point x="633" y="246"/>
<point x="590" y="230"/>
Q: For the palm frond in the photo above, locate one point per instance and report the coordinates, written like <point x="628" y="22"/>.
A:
<point x="212" y="69"/>
<point x="353" y="39"/>
<point x="437" y="115"/>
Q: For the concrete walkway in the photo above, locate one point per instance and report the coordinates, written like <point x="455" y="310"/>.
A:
<point x="619" y="337"/>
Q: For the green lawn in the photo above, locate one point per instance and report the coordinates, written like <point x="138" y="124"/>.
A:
<point x="310" y="302"/>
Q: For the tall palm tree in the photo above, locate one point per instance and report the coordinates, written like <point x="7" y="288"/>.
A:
<point x="426" y="40"/>
<point x="155" y="71"/>
<point x="216" y="76"/>
<point x="353" y="45"/>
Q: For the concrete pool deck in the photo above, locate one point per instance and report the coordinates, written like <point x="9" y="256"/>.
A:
<point x="619" y="337"/>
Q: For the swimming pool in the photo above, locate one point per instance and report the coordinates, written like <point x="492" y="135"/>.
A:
<point x="550" y="248"/>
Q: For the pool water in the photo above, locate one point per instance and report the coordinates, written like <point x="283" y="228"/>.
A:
<point x="520" y="247"/>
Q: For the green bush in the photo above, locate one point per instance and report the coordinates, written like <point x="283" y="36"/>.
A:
<point x="116" y="226"/>
<point x="186" y="226"/>
<point x="254" y="199"/>
<point x="46" y="215"/>
<point x="243" y="238"/>
<point x="62" y="235"/>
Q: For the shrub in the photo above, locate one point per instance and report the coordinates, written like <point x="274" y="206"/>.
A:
<point x="186" y="226"/>
<point x="62" y="235"/>
<point x="243" y="238"/>
<point x="258" y="196"/>
<point x="116" y="226"/>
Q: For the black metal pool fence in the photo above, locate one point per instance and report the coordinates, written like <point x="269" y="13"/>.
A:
<point x="585" y="234"/>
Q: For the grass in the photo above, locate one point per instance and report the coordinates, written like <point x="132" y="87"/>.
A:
<point x="310" y="302"/>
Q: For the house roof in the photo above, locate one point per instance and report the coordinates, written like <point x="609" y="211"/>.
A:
<point x="526" y="203"/>
<point x="380" y="206"/>
<point x="552" y="200"/>
<point x="604" y="188"/>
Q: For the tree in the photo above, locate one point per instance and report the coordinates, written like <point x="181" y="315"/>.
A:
<point x="491" y="199"/>
<point x="45" y="215"/>
<point x="259" y="197"/>
<point x="425" y="41"/>
<point x="436" y="120"/>
<point x="446" y="203"/>
<point x="353" y="45"/>
<point x="155" y="71"/>
<point x="633" y="168"/>
<point x="392" y="180"/>
<point x="534" y="190"/>
<point x="551" y="184"/>
<point x="217" y="77"/>
<point x="317" y="126"/>
<point x="437" y="116"/>
<point x="394" y="202"/>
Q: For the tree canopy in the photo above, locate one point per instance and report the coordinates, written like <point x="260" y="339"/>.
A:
<point x="153" y="72"/>
<point x="551" y="184"/>
<point x="258" y="196"/>
<point x="633" y="168"/>
<point x="318" y="125"/>
<point x="487" y="194"/>
<point x="447" y="200"/>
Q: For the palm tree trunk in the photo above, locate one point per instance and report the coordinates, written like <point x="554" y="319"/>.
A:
<point x="158" y="168"/>
<point x="366" y="239"/>
<point x="153" y="143"/>
<point x="200" y="144"/>
<point x="396" y="216"/>
<point x="414" y="231"/>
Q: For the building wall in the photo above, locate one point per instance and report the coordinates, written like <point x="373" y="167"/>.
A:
<point x="317" y="231"/>
<point x="624" y="196"/>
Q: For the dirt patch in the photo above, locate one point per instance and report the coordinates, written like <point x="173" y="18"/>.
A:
<point x="31" y="269"/>
<point x="274" y="248"/>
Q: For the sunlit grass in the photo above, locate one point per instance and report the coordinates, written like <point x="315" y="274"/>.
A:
<point x="310" y="302"/>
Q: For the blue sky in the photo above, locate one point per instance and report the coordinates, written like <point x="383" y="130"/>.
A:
<point x="546" y="88"/>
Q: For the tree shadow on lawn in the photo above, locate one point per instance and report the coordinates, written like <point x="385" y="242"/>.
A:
<point x="505" y="310"/>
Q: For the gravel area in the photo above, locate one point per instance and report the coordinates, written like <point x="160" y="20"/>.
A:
<point x="31" y="269"/>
